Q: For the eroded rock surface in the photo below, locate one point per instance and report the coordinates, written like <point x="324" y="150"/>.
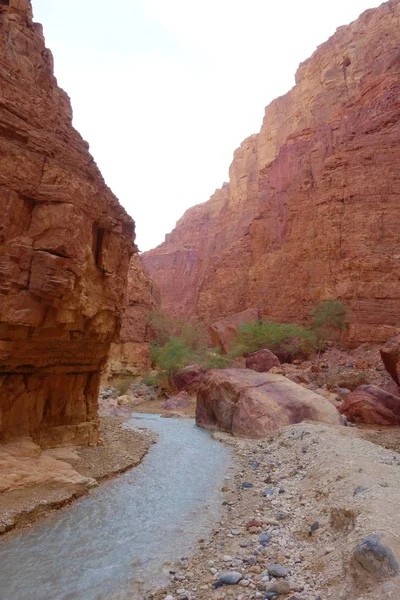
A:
<point x="65" y="246"/>
<point x="372" y="405"/>
<point x="130" y="355"/>
<point x="224" y="331"/>
<point x="312" y="208"/>
<point x="250" y="404"/>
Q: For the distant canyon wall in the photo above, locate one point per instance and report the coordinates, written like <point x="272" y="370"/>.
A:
<point x="312" y="208"/>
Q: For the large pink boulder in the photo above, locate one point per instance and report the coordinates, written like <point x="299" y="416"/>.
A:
<point x="370" y="404"/>
<point x="390" y="355"/>
<point x="250" y="404"/>
<point x="262" y="361"/>
<point x="223" y="332"/>
<point x="189" y="378"/>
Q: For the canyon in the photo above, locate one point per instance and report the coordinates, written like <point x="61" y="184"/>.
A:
<point x="311" y="210"/>
<point x="65" y="250"/>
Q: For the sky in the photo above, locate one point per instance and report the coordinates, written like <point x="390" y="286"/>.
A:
<point x="165" y="90"/>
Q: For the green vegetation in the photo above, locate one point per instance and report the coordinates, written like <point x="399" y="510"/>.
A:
<point x="286" y="341"/>
<point x="329" y="319"/>
<point x="178" y="344"/>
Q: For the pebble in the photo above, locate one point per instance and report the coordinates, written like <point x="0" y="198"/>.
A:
<point x="276" y="570"/>
<point x="246" y="485"/>
<point x="235" y="532"/>
<point x="264" y="539"/>
<point x="268" y="493"/>
<point x="271" y="596"/>
<point x="169" y="597"/>
<point x="227" y="558"/>
<point x="314" y="526"/>
<point x="278" y="587"/>
<point x="231" y="578"/>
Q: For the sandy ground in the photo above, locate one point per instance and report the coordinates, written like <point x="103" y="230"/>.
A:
<point x="45" y="481"/>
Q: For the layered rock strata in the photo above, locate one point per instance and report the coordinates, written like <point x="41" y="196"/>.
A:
<point x="65" y="246"/>
<point x="312" y="208"/>
<point x="130" y="355"/>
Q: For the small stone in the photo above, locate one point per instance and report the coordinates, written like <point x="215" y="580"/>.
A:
<point x="329" y="549"/>
<point x="169" y="597"/>
<point x="387" y="588"/>
<point x="246" y="485"/>
<point x="277" y="570"/>
<point x="213" y="571"/>
<point x="359" y="490"/>
<point x="268" y="493"/>
<point x="231" y="578"/>
<point x="375" y="557"/>
<point x="227" y="558"/>
<point x="271" y="596"/>
<point x="244" y="582"/>
<point x="264" y="539"/>
<point x="314" y="527"/>
<point x="180" y="591"/>
<point x="235" y="532"/>
<point x="281" y="516"/>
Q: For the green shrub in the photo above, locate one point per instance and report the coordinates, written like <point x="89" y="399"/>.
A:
<point x="287" y="341"/>
<point x="329" y="319"/>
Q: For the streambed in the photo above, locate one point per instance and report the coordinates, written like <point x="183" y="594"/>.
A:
<point x="115" y="542"/>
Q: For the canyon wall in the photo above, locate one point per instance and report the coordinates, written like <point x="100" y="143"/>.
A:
<point x="65" y="247"/>
<point x="130" y="355"/>
<point x="312" y="208"/>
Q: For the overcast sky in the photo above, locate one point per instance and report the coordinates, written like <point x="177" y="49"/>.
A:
<point x="165" y="90"/>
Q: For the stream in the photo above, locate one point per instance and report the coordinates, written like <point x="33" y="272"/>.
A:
<point x="115" y="542"/>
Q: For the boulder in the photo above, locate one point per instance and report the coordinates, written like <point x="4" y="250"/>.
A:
<point x="372" y="405"/>
<point x="250" y="404"/>
<point x="262" y="361"/>
<point x="181" y="400"/>
<point x="189" y="378"/>
<point x="390" y="355"/>
<point x="224" y="331"/>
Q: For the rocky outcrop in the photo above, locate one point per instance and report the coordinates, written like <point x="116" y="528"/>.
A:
<point x="262" y="361"/>
<point x="250" y="404"/>
<point x="224" y="332"/>
<point x="312" y="208"/>
<point x="372" y="405"/>
<point x="130" y="355"/>
<point x="390" y="355"/>
<point x="65" y="246"/>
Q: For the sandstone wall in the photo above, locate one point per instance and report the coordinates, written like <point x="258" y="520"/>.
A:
<point x="130" y="355"/>
<point x="65" y="246"/>
<point x="312" y="209"/>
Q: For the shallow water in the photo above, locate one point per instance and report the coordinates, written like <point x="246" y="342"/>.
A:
<point x="114" y="542"/>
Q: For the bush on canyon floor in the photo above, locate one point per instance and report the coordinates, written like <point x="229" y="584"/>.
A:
<point x="329" y="319"/>
<point x="166" y="327"/>
<point x="286" y="341"/>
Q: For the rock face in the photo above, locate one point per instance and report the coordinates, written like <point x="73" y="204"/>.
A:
<point x="372" y="405"/>
<point x="224" y="331"/>
<point x="65" y="246"/>
<point x="390" y="355"/>
<point x="250" y="404"/>
<point x="262" y="361"/>
<point x="130" y="355"/>
<point x="312" y="208"/>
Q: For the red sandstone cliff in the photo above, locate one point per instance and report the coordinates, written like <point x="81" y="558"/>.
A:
<point x="65" y="246"/>
<point x="312" y="209"/>
<point x="130" y="355"/>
